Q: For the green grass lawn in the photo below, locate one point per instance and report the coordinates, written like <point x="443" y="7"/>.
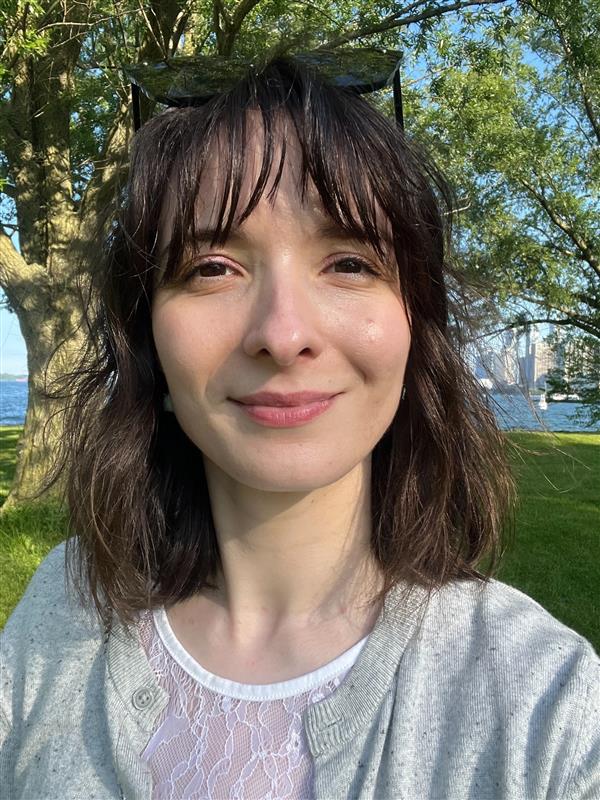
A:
<point x="555" y="556"/>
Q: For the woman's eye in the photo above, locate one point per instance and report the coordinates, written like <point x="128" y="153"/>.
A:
<point x="346" y="266"/>
<point x="208" y="269"/>
<point x="353" y="266"/>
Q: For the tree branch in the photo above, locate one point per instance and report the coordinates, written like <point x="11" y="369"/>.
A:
<point x="397" y="21"/>
<point x="567" y="322"/>
<point x="152" y="35"/>
<point x="218" y="13"/>
<point x="316" y="8"/>
<point x="227" y="34"/>
<point x="15" y="272"/>
<point x="101" y="187"/>
<point x="240" y="13"/>
<point x="594" y="302"/>
<point x="568" y="51"/>
<point x="179" y="26"/>
<point x="9" y="190"/>
<point x="580" y="243"/>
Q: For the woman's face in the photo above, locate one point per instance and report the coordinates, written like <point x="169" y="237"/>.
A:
<point x="287" y="305"/>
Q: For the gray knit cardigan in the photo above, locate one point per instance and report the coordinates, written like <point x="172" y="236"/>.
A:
<point x="474" y="693"/>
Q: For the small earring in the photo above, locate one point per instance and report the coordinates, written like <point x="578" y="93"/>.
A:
<point x="167" y="402"/>
<point x="403" y="395"/>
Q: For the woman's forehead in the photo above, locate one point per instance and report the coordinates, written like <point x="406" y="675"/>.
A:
<point x="228" y="183"/>
<point x="306" y="213"/>
<point x="280" y="168"/>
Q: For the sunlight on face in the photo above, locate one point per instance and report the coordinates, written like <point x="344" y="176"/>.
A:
<point x="288" y="304"/>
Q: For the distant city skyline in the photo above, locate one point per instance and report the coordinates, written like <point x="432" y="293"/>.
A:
<point x="516" y="360"/>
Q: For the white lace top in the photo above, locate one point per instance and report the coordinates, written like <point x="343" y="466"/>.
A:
<point x="221" y="740"/>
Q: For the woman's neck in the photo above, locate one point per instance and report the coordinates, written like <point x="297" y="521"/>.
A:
<point x="284" y="555"/>
<point x="297" y="581"/>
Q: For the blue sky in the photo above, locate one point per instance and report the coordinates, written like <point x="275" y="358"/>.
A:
<point x="13" y="355"/>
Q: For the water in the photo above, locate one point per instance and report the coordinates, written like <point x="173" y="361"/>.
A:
<point x="513" y="412"/>
<point x="13" y="402"/>
<point x="516" y="411"/>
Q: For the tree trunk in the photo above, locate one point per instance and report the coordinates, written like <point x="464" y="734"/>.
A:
<point x="48" y="316"/>
<point x="37" y="279"/>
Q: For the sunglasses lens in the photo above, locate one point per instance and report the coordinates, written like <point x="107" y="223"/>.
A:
<point x="185" y="81"/>
<point x="364" y="70"/>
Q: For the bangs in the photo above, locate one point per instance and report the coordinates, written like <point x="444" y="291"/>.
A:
<point x="361" y="166"/>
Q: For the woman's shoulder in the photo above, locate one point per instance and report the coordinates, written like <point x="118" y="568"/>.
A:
<point x="494" y="622"/>
<point x="49" y="629"/>
<point x="50" y="608"/>
<point x="505" y="681"/>
<point x="52" y="667"/>
<point x="489" y="635"/>
<point x="505" y="614"/>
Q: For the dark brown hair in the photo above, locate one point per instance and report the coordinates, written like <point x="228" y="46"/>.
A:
<point x="137" y="493"/>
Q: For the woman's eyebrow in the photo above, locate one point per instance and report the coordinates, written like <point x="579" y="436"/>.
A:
<point x="329" y="230"/>
<point x="206" y="236"/>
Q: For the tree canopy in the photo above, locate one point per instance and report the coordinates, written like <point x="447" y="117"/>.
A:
<point x="514" y="113"/>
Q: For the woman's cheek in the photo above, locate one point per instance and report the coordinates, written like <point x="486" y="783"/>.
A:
<point x="383" y="342"/>
<point x="191" y="340"/>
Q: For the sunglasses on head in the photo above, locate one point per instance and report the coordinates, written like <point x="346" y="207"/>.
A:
<point x="194" y="80"/>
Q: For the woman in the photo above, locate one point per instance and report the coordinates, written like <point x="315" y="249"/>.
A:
<point x="282" y="480"/>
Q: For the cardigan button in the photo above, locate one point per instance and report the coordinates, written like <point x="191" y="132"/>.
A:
<point x="141" y="699"/>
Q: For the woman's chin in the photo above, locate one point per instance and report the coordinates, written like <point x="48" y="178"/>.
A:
<point x="299" y="477"/>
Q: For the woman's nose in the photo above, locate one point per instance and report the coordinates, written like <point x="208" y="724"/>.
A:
<point x="284" y="323"/>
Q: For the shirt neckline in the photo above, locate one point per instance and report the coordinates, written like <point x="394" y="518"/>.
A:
<point x="247" y="691"/>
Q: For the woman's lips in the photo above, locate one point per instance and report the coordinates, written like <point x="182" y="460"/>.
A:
<point x="271" y="398"/>
<point x="285" y="416"/>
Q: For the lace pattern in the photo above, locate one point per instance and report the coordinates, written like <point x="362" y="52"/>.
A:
<point x="209" y="746"/>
